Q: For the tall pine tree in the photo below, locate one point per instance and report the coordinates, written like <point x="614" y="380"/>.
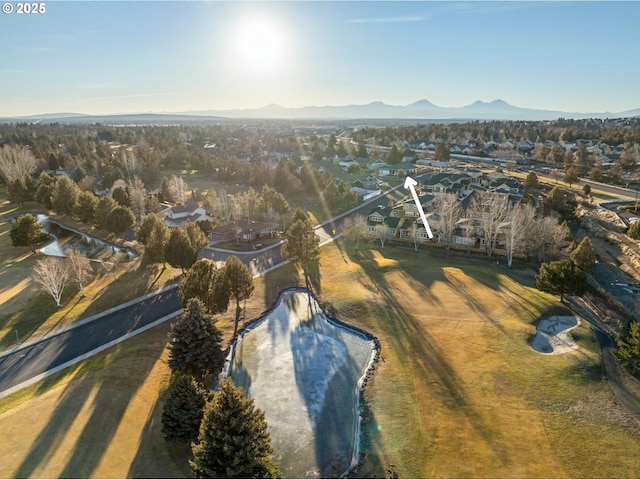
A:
<point x="628" y="350"/>
<point x="239" y="281"/>
<point x="584" y="256"/>
<point x="302" y="243"/>
<point x="182" y="412"/>
<point x="233" y="441"/>
<point x="195" y="342"/>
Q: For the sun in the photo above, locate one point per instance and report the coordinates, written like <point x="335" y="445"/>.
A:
<point x="260" y="45"/>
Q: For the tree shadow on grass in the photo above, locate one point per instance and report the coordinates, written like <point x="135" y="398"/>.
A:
<point x="157" y="457"/>
<point x="314" y="278"/>
<point x="410" y="340"/>
<point x="97" y="399"/>
<point x="30" y="318"/>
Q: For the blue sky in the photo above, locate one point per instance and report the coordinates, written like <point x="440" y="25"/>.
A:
<point x="162" y="56"/>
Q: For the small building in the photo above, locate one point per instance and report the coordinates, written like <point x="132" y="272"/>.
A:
<point x="240" y="230"/>
<point x="406" y="167"/>
<point x="182" y="214"/>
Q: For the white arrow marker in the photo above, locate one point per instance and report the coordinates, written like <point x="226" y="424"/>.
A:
<point x="410" y="184"/>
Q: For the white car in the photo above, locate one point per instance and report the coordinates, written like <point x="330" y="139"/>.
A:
<point x="633" y="220"/>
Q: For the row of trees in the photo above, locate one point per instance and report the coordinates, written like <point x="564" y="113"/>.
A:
<point x="227" y="433"/>
<point x="491" y="216"/>
<point x="178" y="246"/>
<point x="64" y="196"/>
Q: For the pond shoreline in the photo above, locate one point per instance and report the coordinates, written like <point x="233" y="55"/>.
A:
<point x="360" y="414"/>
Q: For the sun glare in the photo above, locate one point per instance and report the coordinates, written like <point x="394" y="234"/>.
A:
<point x="260" y="45"/>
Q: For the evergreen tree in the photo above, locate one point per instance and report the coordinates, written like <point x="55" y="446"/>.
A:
<point x="584" y="256"/>
<point x="394" y="156"/>
<point x="143" y="232"/>
<point x="234" y="441"/>
<point x="183" y="410"/>
<point x="195" y="342"/>
<point x="43" y="189"/>
<point x="154" y="234"/>
<point x="26" y="232"/>
<point x="442" y="153"/>
<point x="302" y="243"/>
<point x="64" y="195"/>
<point x="562" y="201"/>
<point x="183" y="246"/>
<point x="20" y="190"/>
<point x="628" y="350"/>
<point x="561" y="278"/>
<point x="103" y="208"/>
<point x="531" y="181"/>
<point x="206" y="282"/>
<point x="120" y="219"/>
<point x="361" y="151"/>
<point x="156" y="246"/>
<point x="634" y="231"/>
<point x="121" y="196"/>
<point x="239" y="281"/>
<point x="197" y="237"/>
<point x="571" y="176"/>
<point x="85" y="207"/>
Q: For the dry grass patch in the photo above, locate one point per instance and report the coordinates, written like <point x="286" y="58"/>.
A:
<point x="460" y="392"/>
<point x="99" y="418"/>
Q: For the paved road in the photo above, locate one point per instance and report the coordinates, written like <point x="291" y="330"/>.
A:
<point x="20" y="365"/>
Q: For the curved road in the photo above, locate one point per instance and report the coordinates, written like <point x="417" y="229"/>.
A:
<point x="30" y="362"/>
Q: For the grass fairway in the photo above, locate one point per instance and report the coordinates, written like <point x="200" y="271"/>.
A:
<point x="459" y="392"/>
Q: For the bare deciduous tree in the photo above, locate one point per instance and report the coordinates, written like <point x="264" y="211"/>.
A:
<point x="413" y="231"/>
<point x="79" y="267"/>
<point x="16" y="162"/>
<point x="52" y="274"/>
<point x="178" y="189"/>
<point x="129" y="164"/>
<point x="449" y="212"/>
<point x="248" y="203"/>
<point x="354" y="229"/>
<point x="490" y="210"/>
<point x="137" y="197"/>
<point x="382" y="230"/>
<point x="543" y="235"/>
<point x="517" y="229"/>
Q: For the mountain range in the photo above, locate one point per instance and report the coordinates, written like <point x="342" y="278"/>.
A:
<point x="420" y="110"/>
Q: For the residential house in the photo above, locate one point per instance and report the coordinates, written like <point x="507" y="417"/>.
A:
<point x="411" y="209"/>
<point x="240" y="230"/>
<point x="376" y="164"/>
<point x="389" y="217"/>
<point x="406" y="231"/>
<point x="406" y="167"/>
<point x="182" y="214"/>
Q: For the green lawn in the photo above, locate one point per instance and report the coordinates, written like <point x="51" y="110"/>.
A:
<point x="458" y="391"/>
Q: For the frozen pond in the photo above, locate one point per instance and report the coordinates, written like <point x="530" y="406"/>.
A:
<point x="304" y="370"/>
<point x="65" y="237"/>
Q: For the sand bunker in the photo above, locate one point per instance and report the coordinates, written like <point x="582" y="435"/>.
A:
<point x="553" y="337"/>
